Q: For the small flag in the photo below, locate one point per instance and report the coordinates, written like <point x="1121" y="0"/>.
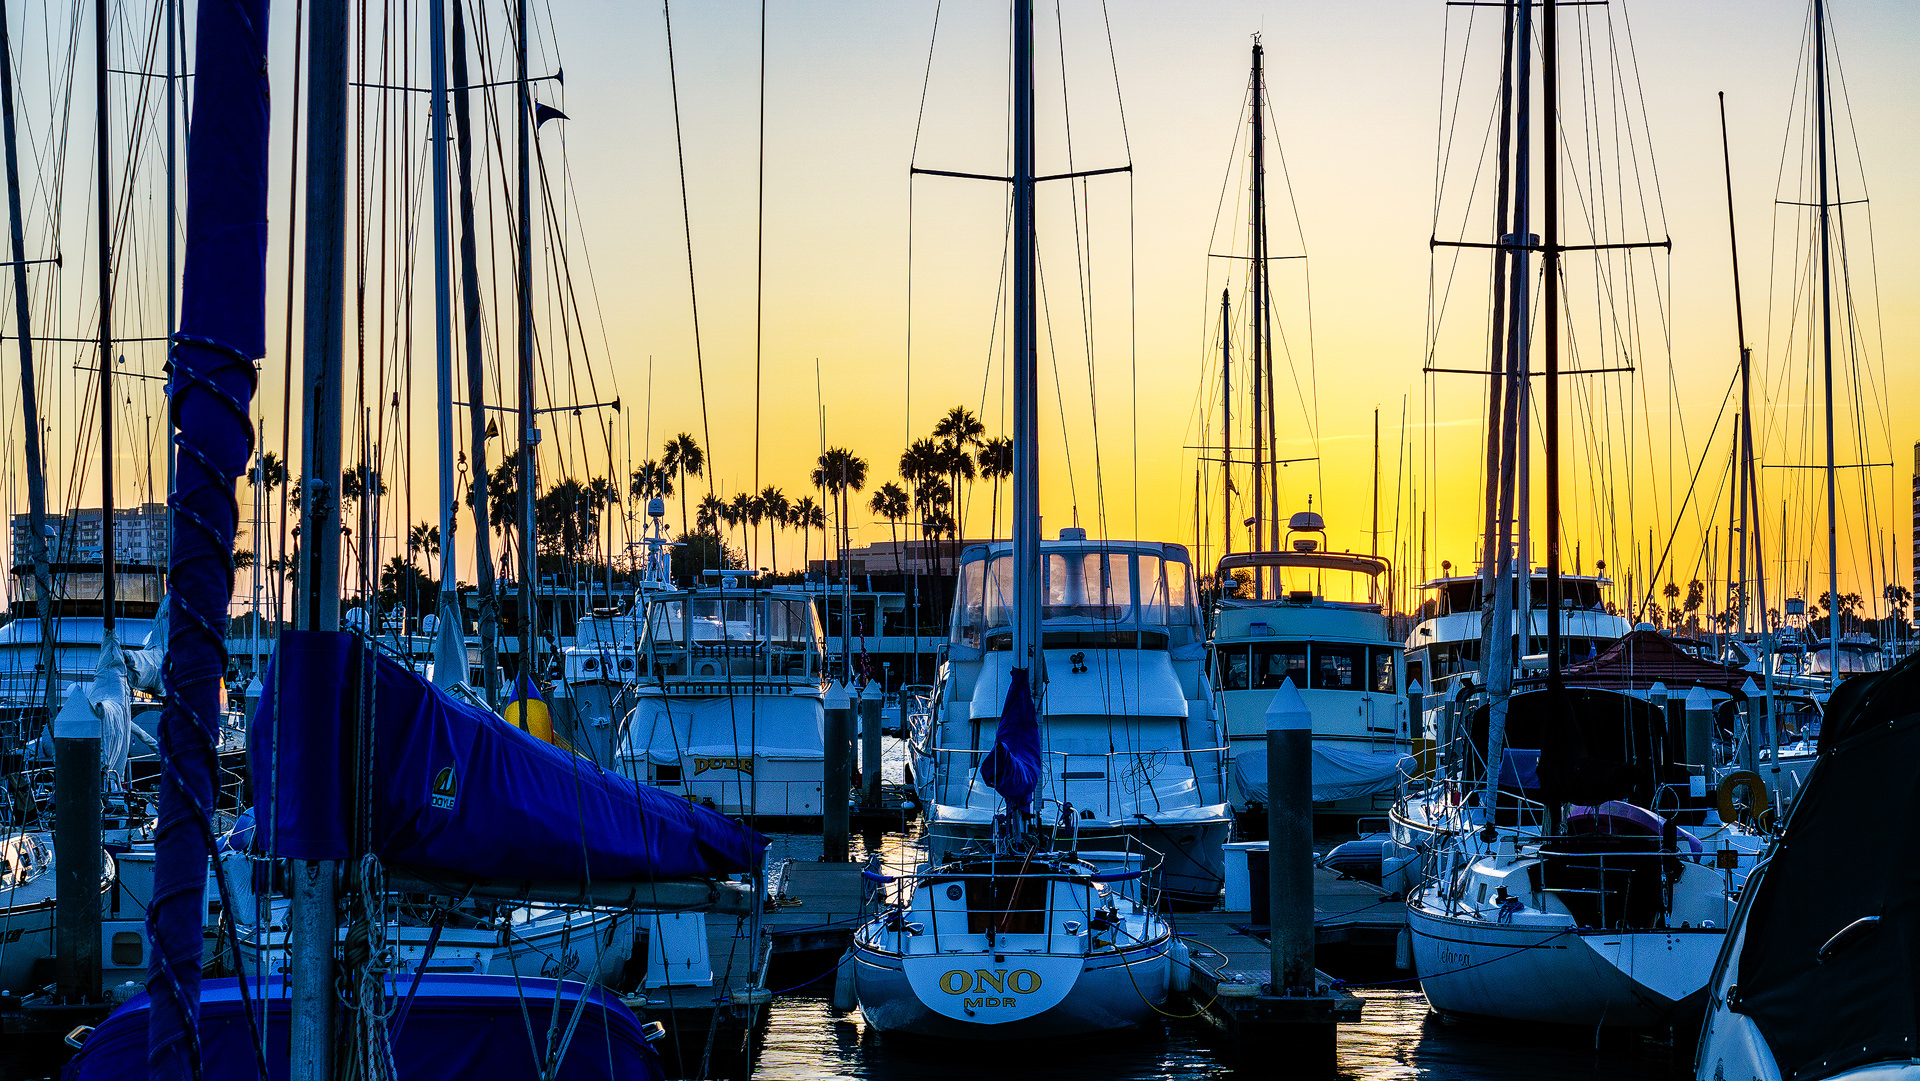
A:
<point x="543" y="113"/>
<point x="528" y="711"/>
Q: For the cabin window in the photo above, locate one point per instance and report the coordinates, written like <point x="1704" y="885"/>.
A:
<point x="1232" y="671"/>
<point x="1380" y="669"/>
<point x="969" y="615"/>
<point x="665" y="774"/>
<point x="1338" y="668"/>
<point x="1280" y="661"/>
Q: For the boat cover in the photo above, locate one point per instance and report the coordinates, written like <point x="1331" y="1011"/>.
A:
<point x="455" y="788"/>
<point x="1339" y="771"/>
<point x="462" y="1027"/>
<point x="1860" y="1004"/>
<point x="1012" y="767"/>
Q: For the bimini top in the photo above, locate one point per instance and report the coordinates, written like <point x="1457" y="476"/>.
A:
<point x="1099" y="591"/>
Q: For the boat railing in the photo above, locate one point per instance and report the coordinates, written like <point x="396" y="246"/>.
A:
<point x="1070" y="913"/>
<point x="1134" y="776"/>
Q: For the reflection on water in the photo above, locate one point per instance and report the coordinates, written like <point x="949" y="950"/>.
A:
<point x="1395" y="1039"/>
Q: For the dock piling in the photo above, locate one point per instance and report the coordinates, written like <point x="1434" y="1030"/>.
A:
<point x="870" y="774"/>
<point x="839" y="775"/>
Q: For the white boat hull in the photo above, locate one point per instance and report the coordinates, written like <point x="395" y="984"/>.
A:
<point x="1548" y="972"/>
<point x="957" y="997"/>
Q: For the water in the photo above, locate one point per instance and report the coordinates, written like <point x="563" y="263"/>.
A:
<point x="1397" y="1038"/>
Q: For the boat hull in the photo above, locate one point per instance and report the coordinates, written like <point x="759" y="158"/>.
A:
<point x="1109" y="992"/>
<point x="1553" y="973"/>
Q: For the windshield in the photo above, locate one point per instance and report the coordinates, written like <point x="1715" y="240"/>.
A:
<point x="1080" y="588"/>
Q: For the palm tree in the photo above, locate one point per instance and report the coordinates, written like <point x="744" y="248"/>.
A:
<point x="840" y="471"/>
<point x="651" y="479"/>
<point x="806" y="515"/>
<point x="890" y="502"/>
<point x="423" y="538"/>
<point x="774" y="507"/>
<point x="683" y="455"/>
<point x="710" y="513"/>
<point x="503" y="502"/>
<point x="996" y="465"/>
<point x="741" y="512"/>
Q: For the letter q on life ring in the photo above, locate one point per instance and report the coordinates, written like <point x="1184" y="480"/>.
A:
<point x="1758" y="803"/>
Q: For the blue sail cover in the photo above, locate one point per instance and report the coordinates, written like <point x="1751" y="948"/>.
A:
<point x="1012" y="767"/>
<point x="223" y="309"/>
<point x="455" y="1028"/>
<point x="457" y="789"/>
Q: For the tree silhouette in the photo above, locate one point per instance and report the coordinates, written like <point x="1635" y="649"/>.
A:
<point x="773" y="507"/>
<point x="682" y="455"/>
<point x="806" y="516"/>
<point x="890" y="502"/>
<point x="838" y="472"/>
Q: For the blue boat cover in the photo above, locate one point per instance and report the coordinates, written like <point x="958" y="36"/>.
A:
<point x="456" y="1027"/>
<point x="457" y="789"/>
<point x="1012" y="767"/>
<point x="222" y="331"/>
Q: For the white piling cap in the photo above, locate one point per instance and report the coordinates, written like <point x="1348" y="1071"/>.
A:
<point x="837" y="696"/>
<point x="1288" y="712"/>
<point x="1699" y="699"/>
<point x="1750" y="688"/>
<point x="872" y="691"/>
<point x="1658" y="690"/>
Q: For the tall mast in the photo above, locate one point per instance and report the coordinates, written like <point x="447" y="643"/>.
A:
<point x="29" y="400"/>
<point x="1820" y="107"/>
<point x="529" y="435"/>
<point x="450" y="625"/>
<point x="1226" y="422"/>
<point x="1257" y="245"/>
<point x="1493" y="561"/>
<point x="1550" y="284"/>
<point x="312" y="928"/>
<point x="1497" y="664"/>
<point x="1026" y="442"/>
<point x="489" y="622"/>
<point x="104" y="250"/>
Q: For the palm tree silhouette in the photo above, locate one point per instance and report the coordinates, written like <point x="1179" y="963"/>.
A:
<point x="711" y="512"/>
<point x="683" y="455"/>
<point x="996" y="465"/>
<point x="805" y="516"/>
<point x="774" y="506"/>
<point x="890" y="502"/>
<point x="840" y="471"/>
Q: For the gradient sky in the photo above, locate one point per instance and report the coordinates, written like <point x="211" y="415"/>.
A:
<point x="1357" y="96"/>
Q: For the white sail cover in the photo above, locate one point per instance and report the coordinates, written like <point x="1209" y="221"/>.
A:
<point x="1340" y="771"/>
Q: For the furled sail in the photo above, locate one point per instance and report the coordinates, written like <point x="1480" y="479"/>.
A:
<point x="456" y="789"/>
<point x="1012" y="767"/>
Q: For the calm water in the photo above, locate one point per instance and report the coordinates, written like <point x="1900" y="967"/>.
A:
<point x="1396" y="1039"/>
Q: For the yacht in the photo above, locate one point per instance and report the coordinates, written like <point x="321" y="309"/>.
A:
<point x="730" y="700"/>
<point x="1130" y="740"/>
<point x="1273" y="621"/>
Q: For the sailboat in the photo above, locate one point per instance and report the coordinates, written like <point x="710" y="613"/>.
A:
<point x="1561" y="896"/>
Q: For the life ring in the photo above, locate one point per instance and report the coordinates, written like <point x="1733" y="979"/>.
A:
<point x="1759" y="804"/>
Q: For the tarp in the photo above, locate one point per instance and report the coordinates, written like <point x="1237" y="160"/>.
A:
<point x="1846" y="855"/>
<point x="1643" y="658"/>
<point x="456" y="1028"/>
<point x="1339" y="772"/>
<point x="457" y="789"/>
<point x="1012" y="767"/>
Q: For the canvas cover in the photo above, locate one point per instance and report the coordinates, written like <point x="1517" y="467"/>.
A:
<point x="455" y="1027"/>
<point x="457" y="789"/>
<point x="1831" y="867"/>
<point x="1339" y="772"/>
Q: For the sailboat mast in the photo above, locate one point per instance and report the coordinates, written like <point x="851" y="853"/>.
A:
<point x="104" y="250"/>
<point x="442" y="317"/>
<point x="1493" y="561"/>
<point x="29" y="400"/>
<point x="1550" y="284"/>
<point x="1820" y="107"/>
<point x="311" y="932"/>
<point x="1226" y="422"/>
<point x="1026" y="442"/>
<point x="476" y="375"/>
<point x="529" y="435"/>
<point x="1257" y="251"/>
